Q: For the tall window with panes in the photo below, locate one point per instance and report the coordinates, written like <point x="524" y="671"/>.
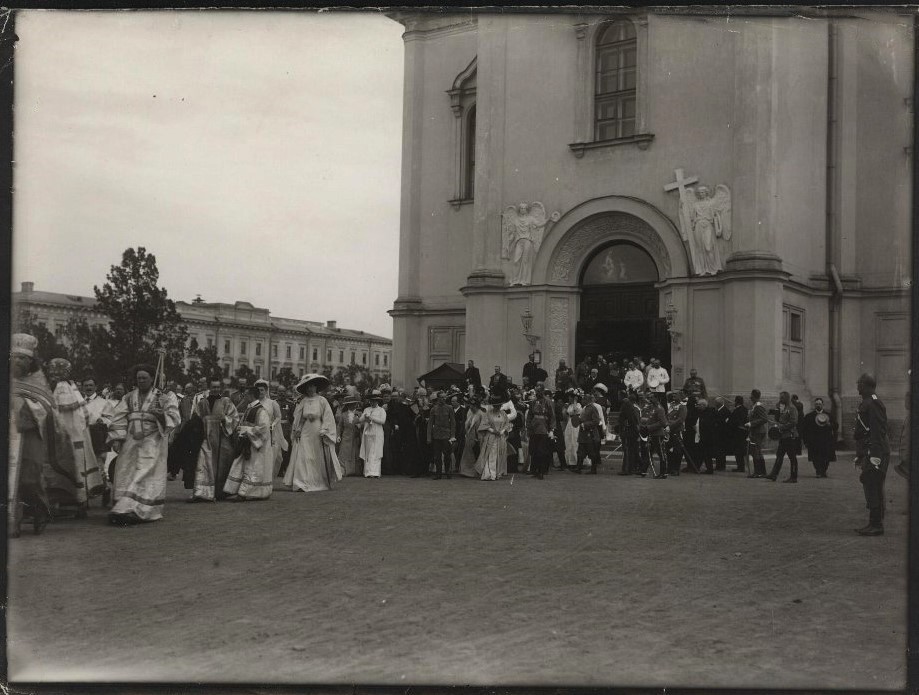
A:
<point x="615" y="81"/>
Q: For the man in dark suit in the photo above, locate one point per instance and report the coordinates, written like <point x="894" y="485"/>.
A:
<point x="498" y="383"/>
<point x="818" y="432"/>
<point x="628" y="431"/>
<point x="737" y="433"/>
<point x="459" y="419"/>
<point x="530" y="374"/>
<point x="757" y="433"/>
<point x="472" y="376"/>
<point x="708" y="436"/>
<point x="564" y="377"/>
<point x="872" y="453"/>
<point x="724" y="438"/>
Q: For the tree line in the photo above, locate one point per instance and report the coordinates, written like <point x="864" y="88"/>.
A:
<point x="142" y="322"/>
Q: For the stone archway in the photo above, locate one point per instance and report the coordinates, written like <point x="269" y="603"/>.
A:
<point x="577" y="236"/>
<point x="596" y="222"/>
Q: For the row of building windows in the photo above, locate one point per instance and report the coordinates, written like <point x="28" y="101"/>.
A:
<point x="288" y="352"/>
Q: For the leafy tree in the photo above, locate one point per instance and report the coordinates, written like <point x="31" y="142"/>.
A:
<point x="245" y="372"/>
<point x="286" y="377"/>
<point x="89" y="352"/>
<point x="204" y="362"/>
<point x="142" y="318"/>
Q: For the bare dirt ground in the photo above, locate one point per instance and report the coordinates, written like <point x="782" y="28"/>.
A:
<point x="705" y="581"/>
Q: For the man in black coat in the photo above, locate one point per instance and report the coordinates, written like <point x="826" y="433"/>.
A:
<point x="756" y="426"/>
<point x="472" y="376"/>
<point x="628" y="431"/>
<point x="737" y="431"/>
<point x="709" y="431"/>
<point x="724" y="438"/>
<point x="676" y="417"/>
<point x="459" y="432"/>
<point x="498" y="383"/>
<point x="818" y="432"/>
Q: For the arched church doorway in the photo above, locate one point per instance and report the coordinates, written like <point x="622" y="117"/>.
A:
<point x="620" y="306"/>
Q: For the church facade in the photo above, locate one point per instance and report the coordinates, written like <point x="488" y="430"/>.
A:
<point x="728" y="194"/>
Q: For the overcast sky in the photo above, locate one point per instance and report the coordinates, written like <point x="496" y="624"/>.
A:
<point x="256" y="154"/>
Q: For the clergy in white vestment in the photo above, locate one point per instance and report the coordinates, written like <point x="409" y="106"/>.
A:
<point x="71" y="407"/>
<point x="252" y="472"/>
<point x="372" y="420"/>
<point x="313" y="464"/>
<point x="99" y="412"/>
<point x="139" y="432"/>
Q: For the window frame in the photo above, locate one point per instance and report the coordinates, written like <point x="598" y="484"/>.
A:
<point x="586" y="132"/>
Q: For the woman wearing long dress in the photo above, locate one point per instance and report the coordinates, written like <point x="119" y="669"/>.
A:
<point x="571" y="429"/>
<point x="493" y="431"/>
<point x="473" y="420"/>
<point x="313" y="462"/>
<point x="349" y="436"/>
<point x="372" y="420"/>
<point x="252" y="472"/>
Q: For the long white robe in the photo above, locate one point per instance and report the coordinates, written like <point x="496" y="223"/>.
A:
<point x="140" y="478"/>
<point x="494" y="444"/>
<point x="372" y="440"/>
<point x="313" y="464"/>
<point x="571" y="434"/>
<point x="251" y="476"/>
<point x="71" y="408"/>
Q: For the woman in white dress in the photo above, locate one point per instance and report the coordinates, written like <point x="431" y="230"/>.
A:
<point x="493" y="430"/>
<point x="313" y="463"/>
<point x="372" y="420"/>
<point x="252" y="472"/>
<point x="571" y="429"/>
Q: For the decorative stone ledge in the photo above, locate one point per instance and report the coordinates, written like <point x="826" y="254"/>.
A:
<point x="642" y="140"/>
<point x="753" y="260"/>
<point x="457" y="203"/>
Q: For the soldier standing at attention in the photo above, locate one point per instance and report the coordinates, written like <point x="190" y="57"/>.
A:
<point x="872" y="453"/>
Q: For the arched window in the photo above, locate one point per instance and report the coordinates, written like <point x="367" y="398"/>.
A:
<point x="469" y="164"/>
<point x="616" y="65"/>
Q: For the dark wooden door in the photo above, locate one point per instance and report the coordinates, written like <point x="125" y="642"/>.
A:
<point x="622" y="320"/>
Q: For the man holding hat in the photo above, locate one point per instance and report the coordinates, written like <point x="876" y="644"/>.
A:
<point x="818" y="432"/>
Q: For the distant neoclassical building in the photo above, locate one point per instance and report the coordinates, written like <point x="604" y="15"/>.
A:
<point x="242" y="333"/>
<point x="730" y="194"/>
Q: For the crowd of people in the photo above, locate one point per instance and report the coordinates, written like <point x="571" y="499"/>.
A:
<point x="234" y="441"/>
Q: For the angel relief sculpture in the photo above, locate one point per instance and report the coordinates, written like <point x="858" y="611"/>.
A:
<point x="523" y="227"/>
<point x="706" y="220"/>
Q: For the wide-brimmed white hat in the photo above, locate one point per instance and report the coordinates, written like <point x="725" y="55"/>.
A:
<point x="319" y="380"/>
<point x="600" y="386"/>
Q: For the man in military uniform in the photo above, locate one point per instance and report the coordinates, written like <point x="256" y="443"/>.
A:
<point x="872" y="453"/>
<point x="756" y="436"/>
<point x="694" y="386"/>
<point x="628" y="431"/>
<point x="676" y="418"/>
<point x="652" y="427"/>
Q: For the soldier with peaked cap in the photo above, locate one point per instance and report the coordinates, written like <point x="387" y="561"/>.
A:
<point x="872" y="453"/>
